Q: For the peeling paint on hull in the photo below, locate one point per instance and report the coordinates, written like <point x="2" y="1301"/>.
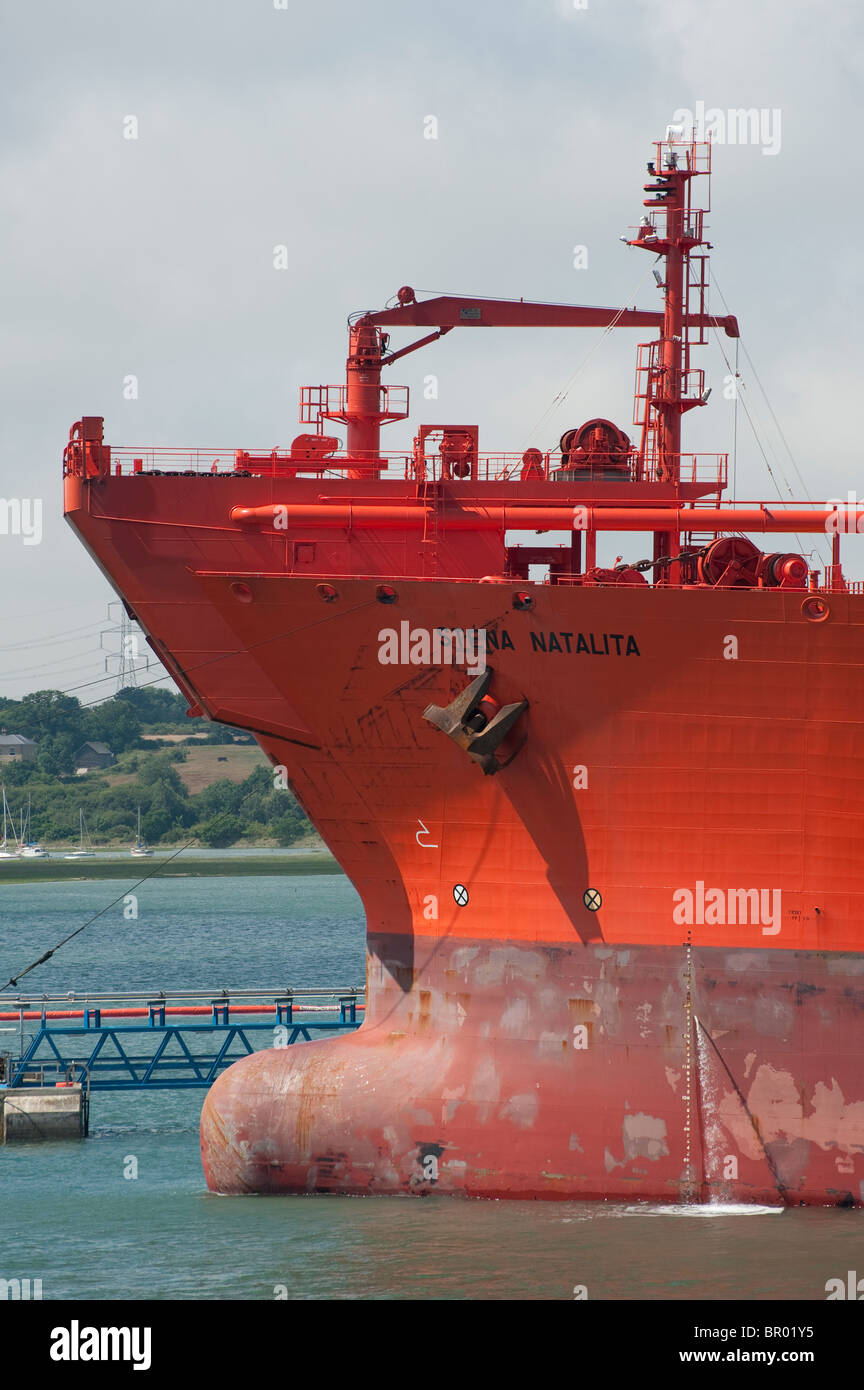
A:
<point x="424" y="1098"/>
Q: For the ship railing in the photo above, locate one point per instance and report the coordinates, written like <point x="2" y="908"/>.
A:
<point x="153" y="461"/>
<point x="695" y="468"/>
<point x="399" y="466"/>
<point x="836" y="581"/>
<point x="626" y="467"/>
<point x="319" y="403"/>
<point x="393" y="465"/>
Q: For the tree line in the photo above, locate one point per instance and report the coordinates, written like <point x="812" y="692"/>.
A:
<point x="222" y="814"/>
<point x="59" y="723"/>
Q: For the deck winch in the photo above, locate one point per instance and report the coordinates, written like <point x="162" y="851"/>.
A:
<point x="597" y="449"/>
<point x="735" y="562"/>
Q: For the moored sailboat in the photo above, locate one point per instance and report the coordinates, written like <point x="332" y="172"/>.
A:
<point x="29" y="849"/>
<point x="5" y="851"/>
<point x="85" y="844"/>
<point x="140" y="850"/>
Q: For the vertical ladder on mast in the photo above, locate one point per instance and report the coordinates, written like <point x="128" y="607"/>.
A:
<point x="430" y="491"/>
<point x="647" y="367"/>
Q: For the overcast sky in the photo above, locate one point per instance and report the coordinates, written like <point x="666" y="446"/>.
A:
<point x="304" y="126"/>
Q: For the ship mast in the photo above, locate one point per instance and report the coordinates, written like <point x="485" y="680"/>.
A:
<point x="666" y="386"/>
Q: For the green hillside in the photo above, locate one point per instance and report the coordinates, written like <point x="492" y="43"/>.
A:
<point x="220" y="791"/>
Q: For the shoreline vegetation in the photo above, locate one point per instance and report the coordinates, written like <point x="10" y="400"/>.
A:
<point x="307" y="861"/>
<point x="209" y="783"/>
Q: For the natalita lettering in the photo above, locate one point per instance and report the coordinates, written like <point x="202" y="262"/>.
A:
<point x="587" y="643"/>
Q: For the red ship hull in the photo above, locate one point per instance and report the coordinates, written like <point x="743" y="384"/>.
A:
<point x="531" y="1071"/>
<point x="629" y="962"/>
<point x="530" y="1046"/>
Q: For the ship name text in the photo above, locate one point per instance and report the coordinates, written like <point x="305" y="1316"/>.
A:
<point x="590" y="643"/>
<point x="419" y="646"/>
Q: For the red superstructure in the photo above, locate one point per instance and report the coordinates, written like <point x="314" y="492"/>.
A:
<point x="605" y="826"/>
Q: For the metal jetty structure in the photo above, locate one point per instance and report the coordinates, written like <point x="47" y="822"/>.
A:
<point x="178" y="1040"/>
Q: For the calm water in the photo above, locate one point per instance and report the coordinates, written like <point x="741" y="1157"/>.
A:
<point x="71" y="1219"/>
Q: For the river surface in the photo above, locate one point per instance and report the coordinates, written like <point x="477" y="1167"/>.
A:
<point x="72" y="1219"/>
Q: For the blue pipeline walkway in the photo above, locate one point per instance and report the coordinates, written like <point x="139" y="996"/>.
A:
<point x="184" y="1040"/>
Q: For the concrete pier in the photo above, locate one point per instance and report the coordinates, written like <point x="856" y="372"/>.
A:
<point x="31" y="1114"/>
